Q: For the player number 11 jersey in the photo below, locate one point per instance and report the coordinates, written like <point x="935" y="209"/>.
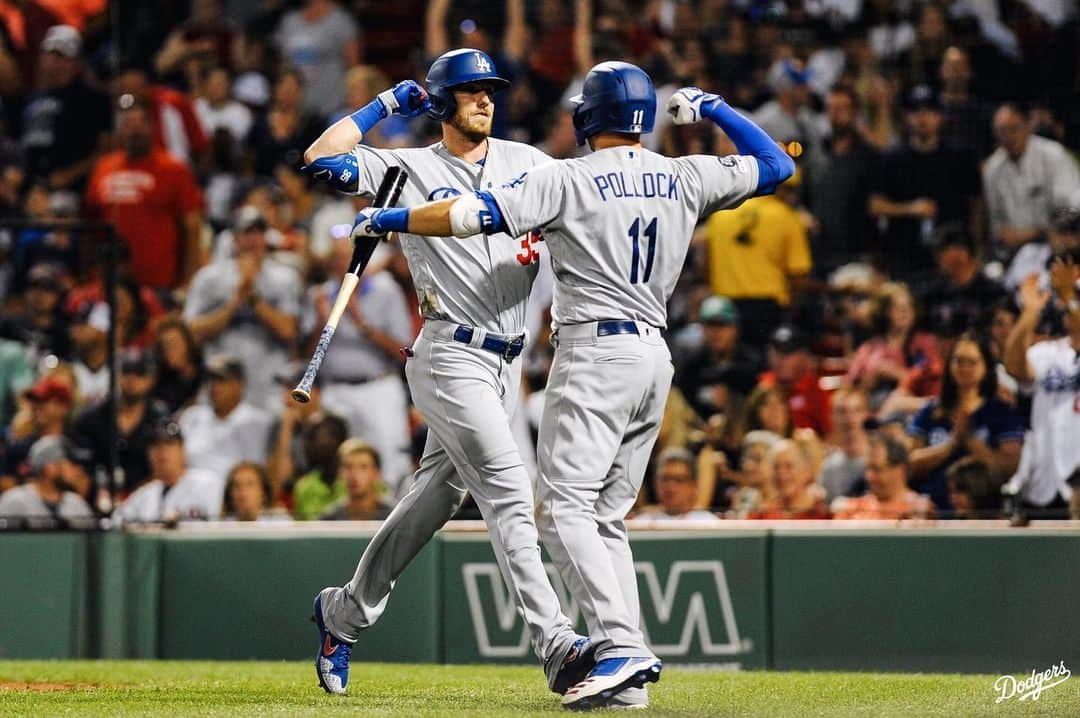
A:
<point x="618" y="224"/>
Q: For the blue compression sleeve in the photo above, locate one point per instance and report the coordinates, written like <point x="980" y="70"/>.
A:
<point x="774" y="165"/>
<point x="367" y="116"/>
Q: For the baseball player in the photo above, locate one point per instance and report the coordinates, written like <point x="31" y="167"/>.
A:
<point x="617" y="223"/>
<point x="461" y="371"/>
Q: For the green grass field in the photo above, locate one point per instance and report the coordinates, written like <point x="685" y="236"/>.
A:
<point x="170" y="688"/>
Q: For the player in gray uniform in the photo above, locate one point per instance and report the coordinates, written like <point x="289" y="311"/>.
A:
<point x="462" y="370"/>
<point x="618" y="224"/>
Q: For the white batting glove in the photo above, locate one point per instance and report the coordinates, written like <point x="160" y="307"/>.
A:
<point x="686" y="105"/>
<point x="364" y="227"/>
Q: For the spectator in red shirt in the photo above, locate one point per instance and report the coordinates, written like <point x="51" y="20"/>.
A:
<point x="154" y="201"/>
<point x="176" y="125"/>
<point x="793" y="372"/>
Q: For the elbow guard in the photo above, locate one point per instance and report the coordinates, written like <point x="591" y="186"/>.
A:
<point x="774" y="168"/>
<point x="342" y="172"/>
<point x="475" y="214"/>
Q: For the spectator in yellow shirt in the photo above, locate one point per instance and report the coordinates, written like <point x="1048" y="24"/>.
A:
<point x="753" y="254"/>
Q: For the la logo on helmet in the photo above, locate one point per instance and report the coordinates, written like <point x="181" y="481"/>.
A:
<point x="481" y="62"/>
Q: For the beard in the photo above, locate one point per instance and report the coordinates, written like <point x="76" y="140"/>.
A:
<point x="138" y="145"/>
<point x="474" y="129"/>
<point x="843" y="132"/>
<point x="131" y="400"/>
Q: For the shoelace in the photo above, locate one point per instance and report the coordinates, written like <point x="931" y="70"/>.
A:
<point x="342" y="655"/>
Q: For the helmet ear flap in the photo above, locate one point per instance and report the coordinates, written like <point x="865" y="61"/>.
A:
<point x="441" y="107"/>
<point x="581" y="119"/>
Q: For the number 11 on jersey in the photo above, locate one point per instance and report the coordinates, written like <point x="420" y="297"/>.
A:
<point x="635" y="262"/>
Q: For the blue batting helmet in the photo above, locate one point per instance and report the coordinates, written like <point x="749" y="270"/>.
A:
<point x="616" y="97"/>
<point x="454" y="68"/>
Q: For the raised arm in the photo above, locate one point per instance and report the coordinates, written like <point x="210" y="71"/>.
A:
<point x="583" y="54"/>
<point x="405" y="98"/>
<point x="435" y="40"/>
<point x="774" y="166"/>
<point x="1022" y="335"/>
<point x="517" y="33"/>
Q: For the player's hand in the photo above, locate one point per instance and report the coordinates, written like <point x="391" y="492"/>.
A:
<point x="961" y="426"/>
<point x="1033" y="297"/>
<point x="365" y="226"/>
<point x="686" y="106"/>
<point x="342" y="172"/>
<point x="406" y="98"/>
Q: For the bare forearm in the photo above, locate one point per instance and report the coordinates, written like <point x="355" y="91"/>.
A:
<point x="280" y="324"/>
<point x="435" y="40"/>
<point x="883" y="207"/>
<point x="280" y="465"/>
<point x="193" y="254"/>
<point x="928" y="458"/>
<point x="516" y="32"/>
<point x="209" y="325"/>
<point x="432" y="219"/>
<point x="338" y="138"/>
<point x="386" y="343"/>
<point x="1002" y="460"/>
<point x="583" y="35"/>
<point x="61" y="178"/>
<point x="1019" y="236"/>
<point x="706" y="478"/>
<point x="1016" y="346"/>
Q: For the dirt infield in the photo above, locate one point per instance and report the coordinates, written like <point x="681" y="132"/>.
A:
<point x="43" y="687"/>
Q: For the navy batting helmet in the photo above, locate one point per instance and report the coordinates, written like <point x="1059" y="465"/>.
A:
<point x="455" y="68"/>
<point x="616" y="97"/>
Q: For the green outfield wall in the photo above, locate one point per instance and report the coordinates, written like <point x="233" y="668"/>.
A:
<point x="996" y="601"/>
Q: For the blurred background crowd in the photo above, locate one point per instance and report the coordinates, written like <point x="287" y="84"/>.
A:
<point x="894" y="334"/>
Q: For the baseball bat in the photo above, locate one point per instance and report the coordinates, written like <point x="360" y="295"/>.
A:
<point x="387" y="195"/>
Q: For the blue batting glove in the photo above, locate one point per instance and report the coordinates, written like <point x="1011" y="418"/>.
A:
<point x="406" y="98"/>
<point x="691" y="104"/>
<point x="339" y="171"/>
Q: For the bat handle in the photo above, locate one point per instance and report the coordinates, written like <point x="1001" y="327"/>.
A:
<point x="302" y="392"/>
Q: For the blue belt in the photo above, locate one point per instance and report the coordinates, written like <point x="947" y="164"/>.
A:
<point x="508" y="349"/>
<point x="612" y="327"/>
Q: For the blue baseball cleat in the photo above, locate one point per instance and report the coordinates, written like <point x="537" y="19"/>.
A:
<point x="332" y="659"/>
<point x="576" y="664"/>
<point x="610" y="677"/>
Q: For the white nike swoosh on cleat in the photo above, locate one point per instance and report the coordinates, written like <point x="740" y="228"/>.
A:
<point x="596" y="691"/>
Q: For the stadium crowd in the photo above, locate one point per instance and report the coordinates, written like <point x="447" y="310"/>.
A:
<point x="894" y="334"/>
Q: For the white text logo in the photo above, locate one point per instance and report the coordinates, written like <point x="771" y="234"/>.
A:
<point x="1030" y="686"/>
<point x="693" y="606"/>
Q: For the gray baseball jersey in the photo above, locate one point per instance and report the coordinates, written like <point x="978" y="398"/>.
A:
<point x="467" y="396"/>
<point x="618" y="224"/>
<point x="481" y="281"/>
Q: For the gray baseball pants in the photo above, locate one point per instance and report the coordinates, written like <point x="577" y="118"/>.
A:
<point x="603" y="407"/>
<point x="466" y="395"/>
